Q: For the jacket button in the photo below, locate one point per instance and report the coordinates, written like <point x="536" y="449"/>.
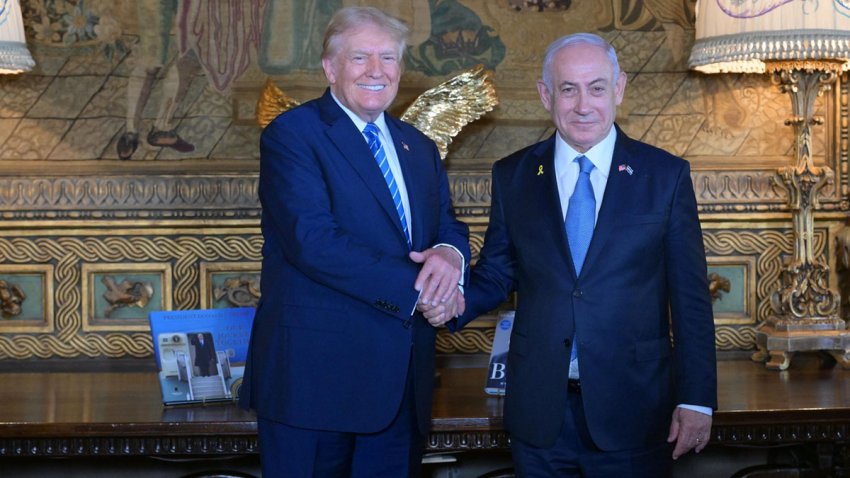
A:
<point x="577" y="293"/>
<point x="567" y="343"/>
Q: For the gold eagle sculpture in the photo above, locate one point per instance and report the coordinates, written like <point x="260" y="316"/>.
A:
<point x="440" y="112"/>
<point x="273" y="101"/>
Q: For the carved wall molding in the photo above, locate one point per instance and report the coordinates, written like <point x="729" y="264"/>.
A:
<point x="127" y="446"/>
<point x="468" y="440"/>
<point x="734" y="338"/>
<point x="745" y="191"/>
<point x="772" y="434"/>
<point x="470" y="188"/>
<point x="722" y="435"/>
<point x="134" y="196"/>
<point x="183" y="251"/>
<point x="769" y="247"/>
<point x="187" y="252"/>
<point x="235" y="196"/>
<point x="466" y="341"/>
<point x="736" y="186"/>
<point x="208" y="445"/>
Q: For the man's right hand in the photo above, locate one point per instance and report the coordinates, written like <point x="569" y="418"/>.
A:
<point x="440" y="273"/>
<point x="438" y="315"/>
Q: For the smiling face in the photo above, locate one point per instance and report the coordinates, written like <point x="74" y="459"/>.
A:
<point x="584" y="94"/>
<point x="364" y="71"/>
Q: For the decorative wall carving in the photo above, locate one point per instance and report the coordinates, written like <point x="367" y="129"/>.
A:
<point x="467" y="341"/>
<point x="769" y="248"/>
<point x="12" y="297"/>
<point x="192" y="256"/>
<point x="126" y="196"/>
<point x="122" y="249"/>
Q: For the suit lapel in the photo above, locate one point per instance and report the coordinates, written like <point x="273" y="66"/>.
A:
<point x="543" y="194"/>
<point x="414" y="188"/>
<point x="354" y="149"/>
<point x="613" y="201"/>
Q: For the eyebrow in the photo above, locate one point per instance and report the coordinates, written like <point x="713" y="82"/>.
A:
<point x="370" y="52"/>
<point x="573" y="83"/>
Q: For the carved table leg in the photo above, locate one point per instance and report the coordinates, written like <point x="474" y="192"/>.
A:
<point x="759" y="355"/>
<point x="779" y="360"/>
<point x="843" y="358"/>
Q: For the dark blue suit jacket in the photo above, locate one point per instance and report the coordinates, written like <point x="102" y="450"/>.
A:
<point x="645" y="271"/>
<point x="333" y="334"/>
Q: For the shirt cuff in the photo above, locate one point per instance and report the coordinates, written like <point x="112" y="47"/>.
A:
<point x="416" y="304"/>
<point x="697" y="408"/>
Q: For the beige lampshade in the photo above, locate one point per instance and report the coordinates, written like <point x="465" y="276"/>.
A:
<point x="739" y="36"/>
<point x="14" y="56"/>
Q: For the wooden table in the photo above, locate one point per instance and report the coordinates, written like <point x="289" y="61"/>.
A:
<point x="120" y="414"/>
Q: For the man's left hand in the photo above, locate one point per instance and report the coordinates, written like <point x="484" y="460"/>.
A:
<point x="690" y="430"/>
<point x="437" y="280"/>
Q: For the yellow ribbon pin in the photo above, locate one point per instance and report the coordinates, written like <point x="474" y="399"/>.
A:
<point x="540" y="170"/>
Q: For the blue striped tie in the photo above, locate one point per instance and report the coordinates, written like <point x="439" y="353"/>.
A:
<point x="581" y="216"/>
<point x="373" y="137"/>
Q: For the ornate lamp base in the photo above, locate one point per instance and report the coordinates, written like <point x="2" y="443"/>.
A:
<point x="805" y="308"/>
<point x="776" y="347"/>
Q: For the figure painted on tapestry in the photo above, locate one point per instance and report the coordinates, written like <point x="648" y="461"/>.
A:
<point x="214" y="36"/>
<point x="445" y="35"/>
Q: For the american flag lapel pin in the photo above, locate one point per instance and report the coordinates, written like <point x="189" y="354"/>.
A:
<point x="626" y="168"/>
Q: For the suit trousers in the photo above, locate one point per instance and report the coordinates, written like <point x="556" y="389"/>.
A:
<point x="394" y="452"/>
<point x="574" y="454"/>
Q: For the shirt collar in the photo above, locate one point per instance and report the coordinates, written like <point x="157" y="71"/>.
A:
<point x="380" y="122"/>
<point x="601" y="154"/>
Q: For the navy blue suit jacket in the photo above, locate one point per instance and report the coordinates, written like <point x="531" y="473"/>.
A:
<point x="645" y="271"/>
<point x="333" y="335"/>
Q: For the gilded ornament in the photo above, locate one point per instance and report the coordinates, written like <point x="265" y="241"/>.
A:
<point x="440" y="112"/>
<point x="126" y="294"/>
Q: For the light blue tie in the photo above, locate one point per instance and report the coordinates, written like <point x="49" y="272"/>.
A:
<point x="581" y="215"/>
<point x="373" y="137"/>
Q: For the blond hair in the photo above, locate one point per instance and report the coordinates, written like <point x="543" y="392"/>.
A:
<point x="351" y="18"/>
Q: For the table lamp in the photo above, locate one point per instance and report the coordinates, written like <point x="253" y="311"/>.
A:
<point x="14" y="56"/>
<point x="805" y="46"/>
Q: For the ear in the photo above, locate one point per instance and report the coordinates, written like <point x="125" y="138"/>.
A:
<point x="330" y="71"/>
<point x="620" y="88"/>
<point x="545" y="95"/>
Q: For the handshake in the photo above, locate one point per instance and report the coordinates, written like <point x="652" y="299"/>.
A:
<point x="440" y="297"/>
<point x="438" y="313"/>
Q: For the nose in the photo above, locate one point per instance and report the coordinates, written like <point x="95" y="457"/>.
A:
<point x="582" y="102"/>
<point x="373" y="67"/>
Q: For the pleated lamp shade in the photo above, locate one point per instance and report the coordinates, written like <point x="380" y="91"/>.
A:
<point x="14" y="56"/>
<point x="734" y="36"/>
